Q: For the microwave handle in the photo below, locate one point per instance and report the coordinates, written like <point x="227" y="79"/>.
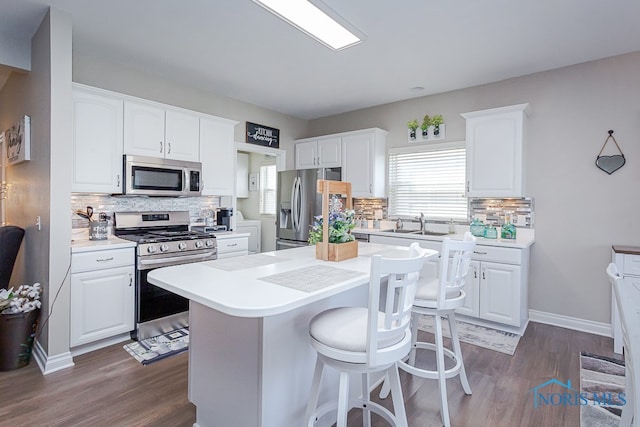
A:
<point x="185" y="183"/>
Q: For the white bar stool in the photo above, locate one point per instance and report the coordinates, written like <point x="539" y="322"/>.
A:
<point x="363" y="340"/>
<point x="439" y="297"/>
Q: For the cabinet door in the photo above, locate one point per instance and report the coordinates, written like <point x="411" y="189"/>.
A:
<point x="494" y="152"/>
<point x="242" y="175"/>
<point x="102" y="304"/>
<point x="143" y="130"/>
<point x="357" y="167"/>
<point x="500" y="293"/>
<point x="254" y="235"/>
<point x="306" y="155"/>
<point x="472" y="290"/>
<point x="97" y="143"/>
<point x="330" y="152"/>
<point x="364" y="164"/>
<point x="182" y="136"/>
<point x="218" y="157"/>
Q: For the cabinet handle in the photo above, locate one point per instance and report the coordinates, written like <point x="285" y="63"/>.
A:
<point x="169" y="148"/>
<point x="475" y="274"/>
<point x="479" y="253"/>
<point x="161" y="146"/>
<point x="118" y="178"/>
<point x="130" y="279"/>
<point x="232" y="244"/>
<point x="104" y="259"/>
<point x="483" y="278"/>
<point x="370" y="188"/>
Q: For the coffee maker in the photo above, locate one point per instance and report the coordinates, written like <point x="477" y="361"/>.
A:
<point x="223" y="217"/>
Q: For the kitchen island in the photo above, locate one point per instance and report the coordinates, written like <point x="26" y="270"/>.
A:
<point x="250" y="361"/>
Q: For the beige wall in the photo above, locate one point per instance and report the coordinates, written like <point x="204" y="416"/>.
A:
<point x="36" y="187"/>
<point x="119" y="78"/>
<point x="580" y="211"/>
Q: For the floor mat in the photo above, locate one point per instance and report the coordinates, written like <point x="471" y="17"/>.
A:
<point x="160" y="347"/>
<point x="492" y="339"/>
<point x="600" y="376"/>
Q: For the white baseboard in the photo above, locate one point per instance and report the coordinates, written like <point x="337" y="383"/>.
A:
<point x="582" y="325"/>
<point x="51" y="364"/>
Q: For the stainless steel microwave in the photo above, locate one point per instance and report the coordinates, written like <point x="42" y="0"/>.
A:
<point x="151" y="176"/>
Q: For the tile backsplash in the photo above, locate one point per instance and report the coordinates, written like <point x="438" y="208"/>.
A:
<point x="493" y="210"/>
<point x="368" y="207"/>
<point x="110" y="204"/>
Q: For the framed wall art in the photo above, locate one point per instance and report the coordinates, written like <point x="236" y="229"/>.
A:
<point x="18" y="141"/>
<point x="263" y="135"/>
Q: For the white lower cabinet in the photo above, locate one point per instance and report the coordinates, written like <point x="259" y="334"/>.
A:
<point x="254" y="229"/>
<point x="102" y="294"/>
<point x="230" y="246"/>
<point x="496" y="288"/>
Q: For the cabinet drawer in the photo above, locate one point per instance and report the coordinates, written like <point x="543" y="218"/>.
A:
<point x="232" y="245"/>
<point x="631" y="265"/>
<point x="498" y="254"/>
<point x="88" y="261"/>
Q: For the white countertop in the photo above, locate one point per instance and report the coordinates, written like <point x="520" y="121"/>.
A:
<point x="238" y="290"/>
<point x="229" y="234"/>
<point x="524" y="237"/>
<point x="80" y="242"/>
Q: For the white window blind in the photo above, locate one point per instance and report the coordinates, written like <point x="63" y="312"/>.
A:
<point x="268" y="190"/>
<point x="429" y="180"/>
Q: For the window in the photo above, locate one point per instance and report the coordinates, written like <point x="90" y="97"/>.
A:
<point x="268" y="190"/>
<point x="429" y="180"/>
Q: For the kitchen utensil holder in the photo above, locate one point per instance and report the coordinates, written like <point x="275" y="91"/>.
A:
<point x="98" y="230"/>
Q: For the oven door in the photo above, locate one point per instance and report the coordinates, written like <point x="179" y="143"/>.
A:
<point x="154" y="302"/>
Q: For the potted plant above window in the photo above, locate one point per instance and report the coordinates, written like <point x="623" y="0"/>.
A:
<point x="426" y="122"/>
<point x="413" y="126"/>
<point x="436" y="121"/>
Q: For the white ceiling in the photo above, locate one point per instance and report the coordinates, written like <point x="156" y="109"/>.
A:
<point x="238" y="49"/>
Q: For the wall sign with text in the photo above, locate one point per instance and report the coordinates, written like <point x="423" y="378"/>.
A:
<point x="263" y="135"/>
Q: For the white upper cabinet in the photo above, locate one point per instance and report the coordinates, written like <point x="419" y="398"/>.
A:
<point x="152" y="130"/>
<point x="218" y="156"/>
<point x="495" y="143"/>
<point x="324" y="152"/>
<point x="182" y="133"/>
<point x="363" y="162"/>
<point x="97" y="141"/>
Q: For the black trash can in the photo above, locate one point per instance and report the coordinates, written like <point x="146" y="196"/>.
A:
<point x="17" y="333"/>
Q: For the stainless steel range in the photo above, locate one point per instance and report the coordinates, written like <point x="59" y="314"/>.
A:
<point x="163" y="239"/>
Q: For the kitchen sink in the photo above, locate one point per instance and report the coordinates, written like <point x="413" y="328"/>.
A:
<point x="423" y="233"/>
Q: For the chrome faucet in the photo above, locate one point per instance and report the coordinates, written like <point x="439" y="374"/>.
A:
<point x="421" y="219"/>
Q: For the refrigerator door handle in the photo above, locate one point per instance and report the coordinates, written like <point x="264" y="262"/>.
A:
<point x="293" y="203"/>
<point x="296" y="202"/>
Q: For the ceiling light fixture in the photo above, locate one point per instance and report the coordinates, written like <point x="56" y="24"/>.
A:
<point x="310" y="19"/>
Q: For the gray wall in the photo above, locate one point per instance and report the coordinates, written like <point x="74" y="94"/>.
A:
<point x="42" y="186"/>
<point x="580" y="210"/>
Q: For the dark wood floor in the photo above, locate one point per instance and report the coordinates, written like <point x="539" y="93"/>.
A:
<point x="109" y="388"/>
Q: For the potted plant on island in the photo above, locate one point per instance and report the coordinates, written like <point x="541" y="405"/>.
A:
<point x="436" y="121"/>
<point x="19" y="311"/>
<point x="341" y="222"/>
<point x="426" y="122"/>
<point x="413" y="126"/>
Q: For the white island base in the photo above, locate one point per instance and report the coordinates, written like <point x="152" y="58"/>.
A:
<point x="257" y="371"/>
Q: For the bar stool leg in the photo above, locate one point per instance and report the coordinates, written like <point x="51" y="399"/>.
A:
<point x="312" y="406"/>
<point x="442" y="379"/>
<point x="366" y="413"/>
<point x="343" y="399"/>
<point x="396" y="394"/>
<point x="458" y="352"/>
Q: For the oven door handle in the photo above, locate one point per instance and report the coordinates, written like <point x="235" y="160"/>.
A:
<point x="175" y="258"/>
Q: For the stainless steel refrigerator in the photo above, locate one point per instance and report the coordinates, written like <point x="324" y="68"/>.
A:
<point x="298" y="202"/>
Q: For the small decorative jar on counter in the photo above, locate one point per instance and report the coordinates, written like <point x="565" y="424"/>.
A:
<point x="508" y="230"/>
<point x="477" y="227"/>
<point x="490" y="232"/>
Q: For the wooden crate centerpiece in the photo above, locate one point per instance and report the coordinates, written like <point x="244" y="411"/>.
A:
<point x="334" y="251"/>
